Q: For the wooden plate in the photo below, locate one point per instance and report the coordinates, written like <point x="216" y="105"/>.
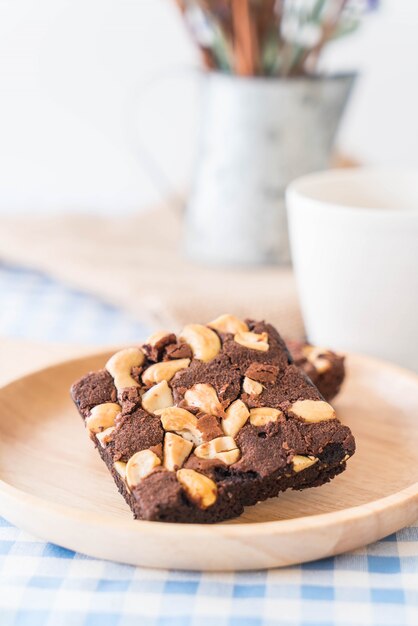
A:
<point x="54" y="485"/>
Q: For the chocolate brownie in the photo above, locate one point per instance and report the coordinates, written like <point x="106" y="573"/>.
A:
<point x="324" y="367"/>
<point x="195" y="427"/>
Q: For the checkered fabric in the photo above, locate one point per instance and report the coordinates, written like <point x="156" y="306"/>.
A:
<point x="44" y="585"/>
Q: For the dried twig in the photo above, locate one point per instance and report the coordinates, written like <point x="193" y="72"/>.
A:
<point x="250" y="37"/>
<point x="244" y="38"/>
<point x="329" y="27"/>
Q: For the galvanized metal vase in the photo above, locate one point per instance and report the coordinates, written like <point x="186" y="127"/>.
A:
<point x="256" y="135"/>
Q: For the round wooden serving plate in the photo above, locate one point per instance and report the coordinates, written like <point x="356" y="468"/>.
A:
<point x="53" y="483"/>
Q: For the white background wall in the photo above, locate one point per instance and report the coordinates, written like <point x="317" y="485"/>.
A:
<point x="86" y="123"/>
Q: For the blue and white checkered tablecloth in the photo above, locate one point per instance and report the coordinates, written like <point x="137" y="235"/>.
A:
<point x="44" y="585"/>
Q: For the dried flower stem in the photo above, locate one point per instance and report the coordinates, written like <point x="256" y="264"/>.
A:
<point x="268" y="37"/>
<point x="244" y="38"/>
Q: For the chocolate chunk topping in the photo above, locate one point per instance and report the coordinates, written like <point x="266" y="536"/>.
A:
<point x="154" y="352"/>
<point x="178" y="351"/>
<point x="209" y="426"/>
<point x="262" y="372"/>
<point x="136" y="374"/>
<point x="291" y="385"/>
<point x="130" y="399"/>
<point x="158" y="450"/>
<point x="205" y="466"/>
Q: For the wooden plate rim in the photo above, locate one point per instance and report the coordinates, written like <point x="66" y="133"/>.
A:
<point x="277" y="527"/>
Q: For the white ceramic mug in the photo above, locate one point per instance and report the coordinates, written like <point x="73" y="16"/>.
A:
<point x="354" y="244"/>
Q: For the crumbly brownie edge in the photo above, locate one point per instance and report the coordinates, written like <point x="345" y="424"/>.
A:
<point x="247" y="491"/>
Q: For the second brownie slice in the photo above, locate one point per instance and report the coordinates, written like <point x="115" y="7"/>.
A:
<point x="193" y="428"/>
